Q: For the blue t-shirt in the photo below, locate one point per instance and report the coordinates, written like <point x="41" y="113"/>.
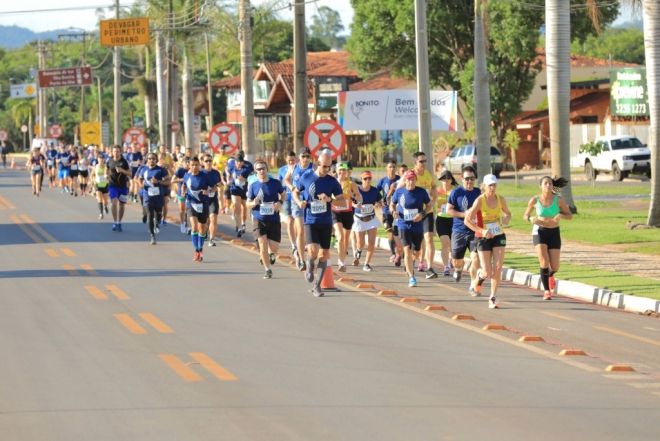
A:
<point x="383" y="186"/>
<point x="369" y="198"/>
<point x="64" y="160"/>
<point x="268" y="192"/>
<point x="462" y="200"/>
<point x="281" y="175"/>
<point x="139" y="173"/>
<point x="407" y="201"/>
<point x="244" y="170"/>
<point x="195" y="184"/>
<point x="297" y="172"/>
<point x="153" y="193"/>
<point x="214" y="179"/>
<point x="134" y="160"/>
<point x="180" y="173"/>
<point x="51" y="154"/>
<point x="310" y="184"/>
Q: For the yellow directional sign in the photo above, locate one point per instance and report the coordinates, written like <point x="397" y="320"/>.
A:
<point x="90" y="132"/>
<point x="125" y="32"/>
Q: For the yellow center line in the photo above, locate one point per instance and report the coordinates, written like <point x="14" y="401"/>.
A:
<point x="117" y="292"/>
<point x="96" y="293"/>
<point x="7" y="204"/>
<point x="559" y="316"/>
<point x="52" y="252"/>
<point x="72" y="271"/>
<point x="180" y="367"/>
<point x="130" y="324"/>
<point x="210" y="365"/>
<point x="629" y="335"/>
<point x="156" y="323"/>
<point x="88" y="268"/>
<point x="38" y="228"/>
<point x="25" y="229"/>
<point x="68" y="252"/>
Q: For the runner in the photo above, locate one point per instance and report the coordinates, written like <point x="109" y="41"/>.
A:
<point x="74" y="158"/>
<point x="444" y="221"/>
<point x="101" y="180"/>
<point x="83" y="174"/>
<point x="220" y="164"/>
<point x="387" y="185"/>
<point x="313" y="194"/>
<point x="264" y="197"/>
<point x="119" y="174"/>
<point x="342" y="214"/>
<point x="239" y="172"/>
<point x="214" y="203"/>
<point x="285" y="211"/>
<point x="462" y="238"/>
<point x="51" y="157"/>
<point x="408" y="205"/>
<point x="491" y="239"/>
<point x="550" y="208"/>
<point x="167" y="191"/>
<point x="195" y="187"/>
<point x="153" y="178"/>
<point x="426" y="181"/>
<point x="366" y="222"/>
<point x="291" y="182"/>
<point x="35" y="164"/>
<point x="135" y="159"/>
<point x="180" y="194"/>
<point x="63" y="168"/>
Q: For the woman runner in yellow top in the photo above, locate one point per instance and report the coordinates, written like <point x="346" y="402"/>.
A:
<point x="487" y="217"/>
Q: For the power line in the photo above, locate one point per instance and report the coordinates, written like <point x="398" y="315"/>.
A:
<point x="64" y="9"/>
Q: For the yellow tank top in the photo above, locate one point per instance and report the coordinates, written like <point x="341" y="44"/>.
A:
<point x="347" y="205"/>
<point x="426" y="181"/>
<point x="441" y="201"/>
<point x="491" y="215"/>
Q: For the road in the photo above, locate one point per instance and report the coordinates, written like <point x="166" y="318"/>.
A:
<point x="105" y="337"/>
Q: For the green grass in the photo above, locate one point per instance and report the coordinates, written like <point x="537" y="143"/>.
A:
<point x="528" y="188"/>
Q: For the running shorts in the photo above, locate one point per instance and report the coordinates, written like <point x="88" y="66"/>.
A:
<point x="428" y="224"/>
<point x="201" y="217"/>
<point x="63" y="173"/>
<point x="460" y="242"/>
<point x="412" y="239"/>
<point x="214" y="205"/>
<point x="238" y="191"/>
<point x="484" y="244"/>
<point x="345" y="218"/>
<point x="549" y="237"/>
<point x="120" y="193"/>
<point x="102" y="190"/>
<point x="272" y="230"/>
<point x="443" y="226"/>
<point x="286" y="207"/>
<point x="320" y="234"/>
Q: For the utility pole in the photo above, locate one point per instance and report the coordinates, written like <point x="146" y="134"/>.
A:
<point x="100" y="101"/>
<point x="186" y="84"/>
<point x="117" y="86"/>
<point x="161" y="89"/>
<point x="300" y="71"/>
<point x="423" y="92"/>
<point x="481" y="93"/>
<point x="247" y="105"/>
<point x="41" y="95"/>
<point x="209" y="122"/>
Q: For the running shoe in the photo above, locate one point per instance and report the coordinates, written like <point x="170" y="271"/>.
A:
<point x="114" y="227"/>
<point x="153" y="240"/>
<point x="182" y="228"/>
<point x="356" y="261"/>
<point x="447" y="271"/>
<point x="156" y="230"/>
<point x="547" y="295"/>
<point x="309" y="275"/>
<point x="272" y="258"/>
<point x="421" y="267"/>
<point x="268" y="274"/>
<point x="475" y="292"/>
<point x="492" y="303"/>
<point x="101" y="215"/>
<point x="457" y="276"/>
<point x="201" y="256"/>
<point x="397" y="260"/>
<point x="431" y="274"/>
<point x="412" y="282"/>
<point x="163" y="222"/>
<point x="211" y="243"/>
<point x="302" y="266"/>
<point x="119" y="228"/>
<point x="239" y="233"/>
<point x="368" y="268"/>
<point x="392" y="257"/>
<point x="196" y="256"/>
<point x="342" y="268"/>
<point x="316" y="290"/>
<point x="552" y="283"/>
<point x="144" y="218"/>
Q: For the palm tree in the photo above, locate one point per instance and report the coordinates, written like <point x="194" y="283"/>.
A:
<point x="481" y="89"/>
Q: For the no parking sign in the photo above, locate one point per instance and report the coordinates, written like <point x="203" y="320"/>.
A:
<point x="325" y="134"/>
<point x="135" y="135"/>
<point x="224" y="134"/>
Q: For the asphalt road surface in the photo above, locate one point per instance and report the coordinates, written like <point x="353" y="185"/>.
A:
<point x="105" y="337"/>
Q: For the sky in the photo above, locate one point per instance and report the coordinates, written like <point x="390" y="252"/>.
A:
<point x="86" y="18"/>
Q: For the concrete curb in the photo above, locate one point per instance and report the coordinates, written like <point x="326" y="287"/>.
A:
<point x="568" y="288"/>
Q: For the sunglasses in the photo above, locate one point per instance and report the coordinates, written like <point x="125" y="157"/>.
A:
<point x="207" y="161"/>
<point x="422" y="161"/>
<point x="326" y="167"/>
<point x="304" y="156"/>
<point x="260" y="169"/>
<point x="366" y="179"/>
<point x="469" y="178"/>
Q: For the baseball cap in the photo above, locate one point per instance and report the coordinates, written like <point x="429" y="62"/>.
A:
<point x="342" y="166"/>
<point x="305" y="151"/>
<point x="490" y="180"/>
<point x="366" y="174"/>
<point x="410" y="175"/>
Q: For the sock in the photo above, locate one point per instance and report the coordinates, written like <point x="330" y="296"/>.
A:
<point x="392" y="246"/>
<point x="310" y="265"/>
<point x="101" y="207"/>
<point x="321" y="270"/>
<point x="480" y="281"/>
<point x="200" y="241"/>
<point x="195" y="242"/>
<point x="545" y="278"/>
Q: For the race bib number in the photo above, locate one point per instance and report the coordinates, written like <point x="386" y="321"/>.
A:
<point x="494" y="228"/>
<point x="267" y="208"/>
<point x="535" y="230"/>
<point x="74" y="167"/>
<point x="36" y="167"/>
<point x="367" y="209"/>
<point x="443" y="209"/>
<point x="135" y="164"/>
<point x="153" y="191"/>
<point x="199" y="208"/>
<point x="409" y="214"/>
<point x="211" y="194"/>
<point x="101" y="179"/>
<point x="49" y="162"/>
<point x="318" y="207"/>
<point x="238" y="183"/>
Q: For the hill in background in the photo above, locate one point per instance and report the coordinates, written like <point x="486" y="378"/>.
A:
<point x="12" y="37"/>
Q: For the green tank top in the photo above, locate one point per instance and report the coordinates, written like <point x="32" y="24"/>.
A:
<point x="551" y="211"/>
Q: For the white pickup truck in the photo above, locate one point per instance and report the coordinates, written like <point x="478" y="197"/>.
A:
<point x="621" y="156"/>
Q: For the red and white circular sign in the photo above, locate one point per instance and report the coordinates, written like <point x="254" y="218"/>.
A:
<point x="325" y="134"/>
<point x="3" y="135"/>
<point x="55" y="131"/>
<point x="224" y="134"/>
<point x="135" y="135"/>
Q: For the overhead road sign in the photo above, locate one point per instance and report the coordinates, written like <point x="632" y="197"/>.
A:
<point x="125" y="32"/>
<point x="325" y="134"/>
<point x="73" y="76"/>
<point x="28" y="90"/>
<point x="224" y="134"/>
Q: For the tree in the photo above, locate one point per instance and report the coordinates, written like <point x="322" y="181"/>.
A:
<point x="619" y="44"/>
<point x="481" y="89"/>
<point x="326" y="27"/>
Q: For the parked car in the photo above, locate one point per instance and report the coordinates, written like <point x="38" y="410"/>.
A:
<point x="467" y="155"/>
<point x="621" y="156"/>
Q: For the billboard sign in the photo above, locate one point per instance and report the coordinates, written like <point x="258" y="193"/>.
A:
<point x="395" y="110"/>
<point x="628" y="92"/>
<point x="73" y="76"/>
<point x="125" y="32"/>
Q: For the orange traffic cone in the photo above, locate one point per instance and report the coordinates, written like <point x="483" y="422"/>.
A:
<point x="328" y="281"/>
<point x="13" y="163"/>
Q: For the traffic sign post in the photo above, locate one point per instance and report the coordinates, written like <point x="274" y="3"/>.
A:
<point x="135" y="135"/>
<point x="224" y="134"/>
<point x="125" y="32"/>
<point x="55" y="131"/>
<point x="325" y="134"/>
<point x="75" y="76"/>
